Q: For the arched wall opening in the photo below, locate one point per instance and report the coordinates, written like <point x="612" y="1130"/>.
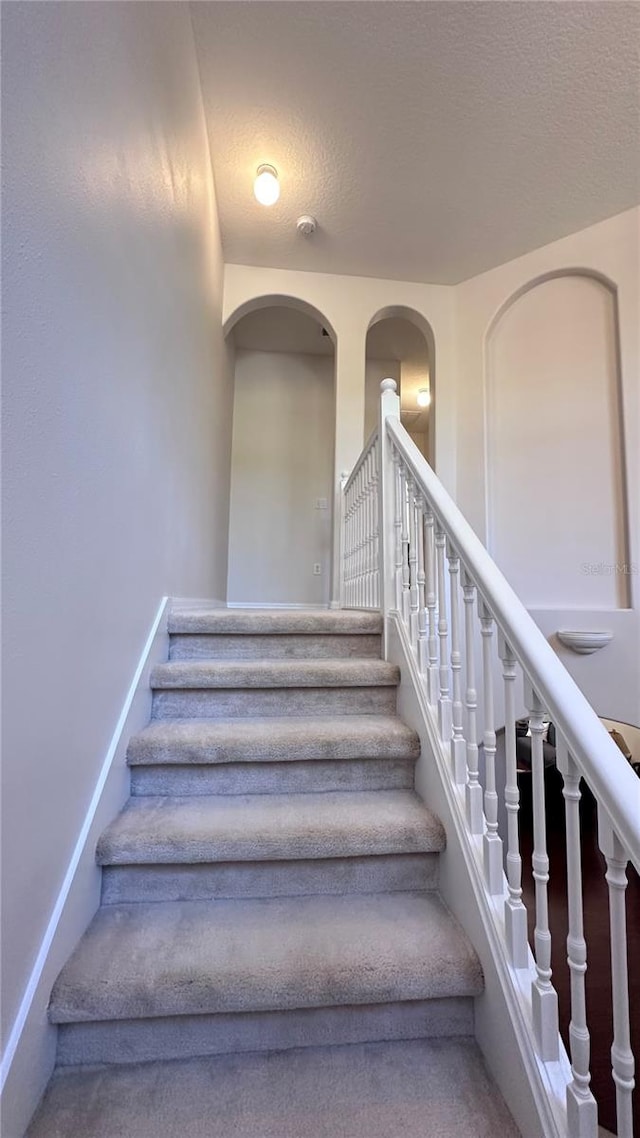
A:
<point x="400" y="344"/>
<point x="556" y="495"/>
<point x="282" y="456"/>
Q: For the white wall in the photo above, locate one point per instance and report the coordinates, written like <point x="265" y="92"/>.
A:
<point x="562" y="331"/>
<point x="117" y="405"/>
<point x="349" y="305"/>
<point x="554" y="451"/>
<point x="282" y="462"/>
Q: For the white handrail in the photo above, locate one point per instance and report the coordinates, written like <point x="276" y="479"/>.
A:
<point x="401" y="530"/>
<point x="608" y="775"/>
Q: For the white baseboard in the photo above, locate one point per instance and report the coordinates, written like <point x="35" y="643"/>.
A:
<point x="271" y="605"/>
<point x="29" y="1054"/>
<point x="186" y="604"/>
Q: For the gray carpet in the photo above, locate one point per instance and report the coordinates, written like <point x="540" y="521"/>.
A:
<point x="275" y="739"/>
<point x="426" y="1089"/>
<point x="270" y="896"/>
<point x="270" y="826"/>
<point x="194" y="957"/>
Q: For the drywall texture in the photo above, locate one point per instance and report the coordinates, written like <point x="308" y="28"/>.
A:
<point x="431" y="140"/>
<point x="117" y="404"/>
<point x="587" y="380"/>
<point x="282" y="463"/>
<point x="349" y="306"/>
<point x="553" y="443"/>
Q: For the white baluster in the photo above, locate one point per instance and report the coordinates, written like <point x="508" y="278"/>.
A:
<point x="543" y="995"/>
<point x="368" y="529"/>
<point x="361" y="537"/>
<point x="432" y="640"/>
<point x="373" y="549"/>
<point x="492" y="844"/>
<point x="397" y="522"/>
<point x="622" y="1062"/>
<point x="582" y="1111"/>
<point x="348" y="541"/>
<point x="515" y="913"/>
<point x="376" y="529"/>
<point x="405" y="606"/>
<point x="413" y="564"/>
<point x="458" y="745"/>
<point x="473" y="792"/>
<point x="444" y="696"/>
<point x="423" y="656"/>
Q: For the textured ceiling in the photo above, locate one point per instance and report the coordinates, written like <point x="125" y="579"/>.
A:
<point x="432" y="140"/>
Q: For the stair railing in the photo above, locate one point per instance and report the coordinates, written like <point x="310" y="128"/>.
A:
<point x="360" y="570"/>
<point x="408" y="550"/>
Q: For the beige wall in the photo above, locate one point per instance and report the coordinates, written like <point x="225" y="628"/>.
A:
<point x="117" y="406"/>
<point x="349" y="305"/>
<point x="282" y="463"/>
<point x="561" y="359"/>
<point x="554" y="451"/>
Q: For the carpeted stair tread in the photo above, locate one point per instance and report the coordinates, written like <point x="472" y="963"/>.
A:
<point x="269" y="827"/>
<point x="273" y="740"/>
<point x="337" y="673"/>
<point x="373" y="1090"/>
<point x="181" y="958"/>
<point x="274" y="621"/>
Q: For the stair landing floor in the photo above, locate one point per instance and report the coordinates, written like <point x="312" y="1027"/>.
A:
<point x="424" y="1089"/>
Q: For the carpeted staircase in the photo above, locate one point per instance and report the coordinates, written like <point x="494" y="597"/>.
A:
<point x="271" y="955"/>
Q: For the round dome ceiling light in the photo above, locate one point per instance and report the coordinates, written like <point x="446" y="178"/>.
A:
<point x="306" y="225"/>
<point x="424" y="397"/>
<point x="266" y="186"/>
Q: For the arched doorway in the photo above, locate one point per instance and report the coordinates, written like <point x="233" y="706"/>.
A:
<point x="400" y="344"/>
<point x="281" y="501"/>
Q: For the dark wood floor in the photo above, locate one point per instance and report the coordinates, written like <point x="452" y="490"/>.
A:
<point x="596" y="922"/>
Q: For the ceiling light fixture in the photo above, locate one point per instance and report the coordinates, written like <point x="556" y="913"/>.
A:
<point x="266" y="186"/>
<point x="424" y="397"/>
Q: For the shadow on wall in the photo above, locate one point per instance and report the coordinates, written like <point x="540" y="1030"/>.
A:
<point x="281" y="505"/>
<point x="400" y="344"/>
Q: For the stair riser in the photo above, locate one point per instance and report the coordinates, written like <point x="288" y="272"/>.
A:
<point x="225" y="702"/>
<point x="274" y="778"/>
<point x="240" y="880"/>
<point x="273" y="622"/>
<point x="229" y="647"/>
<point x="182" y="1037"/>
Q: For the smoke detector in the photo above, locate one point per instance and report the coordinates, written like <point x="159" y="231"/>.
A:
<point x="306" y="225"/>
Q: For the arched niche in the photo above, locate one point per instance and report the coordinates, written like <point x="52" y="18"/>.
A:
<point x="278" y="300"/>
<point x="556" y="498"/>
<point x="281" y="499"/>
<point x="414" y="369"/>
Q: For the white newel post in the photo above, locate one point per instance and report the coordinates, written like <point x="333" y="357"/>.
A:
<point x="341" y="600"/>
<point x="389" y="406"/>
